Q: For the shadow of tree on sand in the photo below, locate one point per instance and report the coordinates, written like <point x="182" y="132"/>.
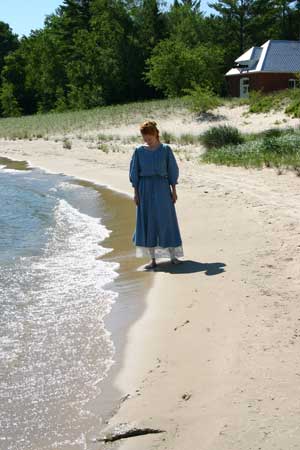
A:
<point x="189" y="266"/>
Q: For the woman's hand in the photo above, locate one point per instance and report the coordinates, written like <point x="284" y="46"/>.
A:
<point x="136" y="199"/>
<point x="174" y="196"/>
<point x="174" y="193"/>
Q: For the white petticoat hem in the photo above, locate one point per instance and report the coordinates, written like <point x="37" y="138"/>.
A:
<point x="159" y="252"/>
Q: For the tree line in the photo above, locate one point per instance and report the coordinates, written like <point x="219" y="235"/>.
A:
<point x="98" y="52"/>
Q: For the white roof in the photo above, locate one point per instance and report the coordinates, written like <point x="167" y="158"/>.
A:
<point x="272" y="56"/>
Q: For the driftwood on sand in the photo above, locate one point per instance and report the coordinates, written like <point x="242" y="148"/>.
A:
<point x="125" y="431"/>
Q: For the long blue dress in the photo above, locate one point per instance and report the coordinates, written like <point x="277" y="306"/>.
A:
<point x="152" y="172"/>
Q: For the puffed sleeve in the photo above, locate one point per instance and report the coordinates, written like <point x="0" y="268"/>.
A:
<point x="134" y="169"/>
<point x="173" y="171"/>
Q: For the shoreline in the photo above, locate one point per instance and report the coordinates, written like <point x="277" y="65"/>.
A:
<point x="214" y="358"/>
<point x="129" y="306"/>
<point x="131" y="288"/>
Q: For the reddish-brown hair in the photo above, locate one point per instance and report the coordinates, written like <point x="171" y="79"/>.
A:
<point x="149" y="127"/>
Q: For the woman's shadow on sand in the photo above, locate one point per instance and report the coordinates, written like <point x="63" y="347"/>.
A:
<point x="189" y="266"/>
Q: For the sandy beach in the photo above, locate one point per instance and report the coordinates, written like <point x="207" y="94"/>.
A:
<point x="214" y="360"/>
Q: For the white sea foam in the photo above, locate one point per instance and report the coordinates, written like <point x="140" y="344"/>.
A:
<point x="7" y="170"/>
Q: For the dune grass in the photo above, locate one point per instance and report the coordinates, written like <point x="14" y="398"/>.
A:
<point x="287" y="100"/>
<point x="262" y="103"/>
<point x="272" y="148"/>
<point x="80" y="122"/>
<point x="182" y="139"/>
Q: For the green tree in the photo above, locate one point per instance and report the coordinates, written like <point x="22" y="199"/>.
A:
<point x="8" y="42"/>
<point x="110" y="24"/>
<point x="45" y="73"/>
<point x="147" y="29"/>
<point x="295" y="22"/>
<point x="149" y="24"/>
<point x="282" y="20"/>
<point x="9" y="103"/>
<point x="186" y="24"/>
<point x="75" y="15"/>
<point x="260" y="26"/>
<point x="173" y="67"/>
<point x="87" y="72"/>
<point x="13" y="79"/>
<point x="193" y="4"/>
<point x="235" y="16"/>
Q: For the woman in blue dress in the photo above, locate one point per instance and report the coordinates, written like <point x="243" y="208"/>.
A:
<point x="153" y="175"/>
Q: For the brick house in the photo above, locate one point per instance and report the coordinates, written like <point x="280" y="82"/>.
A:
<point x="271" y="67"/>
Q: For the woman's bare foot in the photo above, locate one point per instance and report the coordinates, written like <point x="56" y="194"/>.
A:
<point x="151" y="265"/>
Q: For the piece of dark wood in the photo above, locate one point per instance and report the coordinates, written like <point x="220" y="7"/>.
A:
<point x="131" y="432"/>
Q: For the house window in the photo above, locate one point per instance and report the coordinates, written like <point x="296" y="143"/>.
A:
<point x="292" y="83"/>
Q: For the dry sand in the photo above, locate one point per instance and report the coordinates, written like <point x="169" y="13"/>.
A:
<point x="214" y="361"/>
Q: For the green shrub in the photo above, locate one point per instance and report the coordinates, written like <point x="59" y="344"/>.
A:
<point x="188" y="138"/>
<point x="280" y="152"/>
<point x="272" y="145"/>
<point x="293" y="109"/>
<point x="296" y="168"/>
<point x="272" y="133"/>
<point x="220" y="136"/>
<point x="167" y="137"/>
<point x="287" y="99"/>
<point x="103" y="147"/>
<point x="67" y="144"/>
<point x="202" y="99"/>
<point x="260" y="102"/>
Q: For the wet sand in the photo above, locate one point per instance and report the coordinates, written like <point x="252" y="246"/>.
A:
<point x="132" y="287"/>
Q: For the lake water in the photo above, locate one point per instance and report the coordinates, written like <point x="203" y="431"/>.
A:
<point x="54" y="347"/>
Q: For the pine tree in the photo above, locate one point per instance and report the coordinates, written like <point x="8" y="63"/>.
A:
<point x="295" y="25"/>
<point x="8" y="42"/>
<point x="193" y="4"/>
<point x="149" y="28"/>
<point x="186" y="24"/>
<point x="235" y="15"/>
<point x="76" y="15"/>
<point x="283" y="12"/>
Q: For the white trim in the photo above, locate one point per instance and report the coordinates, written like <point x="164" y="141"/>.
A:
<point x="159" y="252"/>
<point x="263" y="55"/>
<point x="255" y="71"/>
<point x="244" y="87"/>
<point x="233" y="72"/>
